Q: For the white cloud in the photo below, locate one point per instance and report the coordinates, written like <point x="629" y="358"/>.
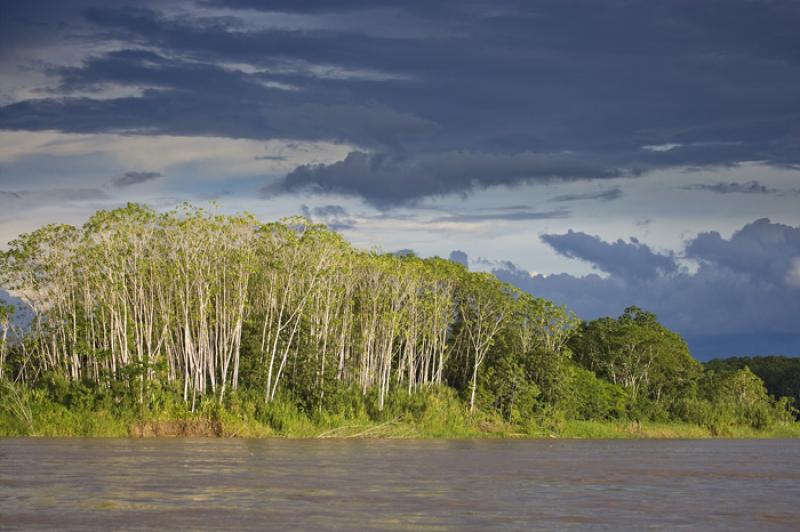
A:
<point x="661" y="147"/>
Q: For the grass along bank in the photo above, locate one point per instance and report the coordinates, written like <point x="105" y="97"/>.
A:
<point x="437" y="414"/>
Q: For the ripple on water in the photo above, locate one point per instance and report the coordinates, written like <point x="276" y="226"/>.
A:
<point x="430" y="485"/>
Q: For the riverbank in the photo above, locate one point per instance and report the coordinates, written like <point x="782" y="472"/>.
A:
<point x="77" y="411"/>
<point x="103" y="424"/>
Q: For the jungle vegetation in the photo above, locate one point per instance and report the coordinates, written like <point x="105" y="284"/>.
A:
<point x="189" y="315"/>
<point x="781" y="375"/>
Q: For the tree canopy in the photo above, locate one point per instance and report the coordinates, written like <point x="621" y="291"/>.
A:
<point x="203" y="305"/>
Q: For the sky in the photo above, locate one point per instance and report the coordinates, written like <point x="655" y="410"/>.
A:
<point x="600" y="153"/>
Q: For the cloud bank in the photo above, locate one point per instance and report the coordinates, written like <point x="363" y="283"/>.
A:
<point x="129" y="179"/>
<point x="386" y="181"/>
<point x="437" y="100"/>
<point x="743" y="297"/>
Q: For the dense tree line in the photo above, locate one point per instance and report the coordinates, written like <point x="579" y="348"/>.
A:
<point x="204" y="306"/>
<point x="781" y="375"/>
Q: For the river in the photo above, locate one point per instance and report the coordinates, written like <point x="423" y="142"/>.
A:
<point x="213" y="484"/>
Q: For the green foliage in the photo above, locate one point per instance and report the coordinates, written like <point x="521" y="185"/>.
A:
<point x="508" y="389"/>
<point x="592" y="398"/>
<point x="190" y="322"/>
<point x="636" y="352"/>
<point x="16" y="416"/>
<point x="781" y="375"/>
<point x="740" y="398"/>
<point x="6" y="313"/>
<point x="593" y="429"/>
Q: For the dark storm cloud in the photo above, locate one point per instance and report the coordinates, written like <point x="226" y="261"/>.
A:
<point x="762" y="249"/>
<point x="583" y="80"/>
<point x="547" y="47"/>
<point x="384" y="180"/>
<point x="186" y="97"/>
<point x="176" y="113"/>
<point x="405" y="252"/>
<point x="304" y="6"/>
<point x="129" y="179"/>
<point x="751" y="187"/>
<point x="330" y="211"/>
<point x="459" y="257"/>
<point x="335" y="217"/>
<point x="629" y="260"/>
<point x="744" y="298"/>
<point x="606" y="195"/>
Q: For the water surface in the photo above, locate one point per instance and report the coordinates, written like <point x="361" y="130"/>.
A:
<point x="97" y="484"/>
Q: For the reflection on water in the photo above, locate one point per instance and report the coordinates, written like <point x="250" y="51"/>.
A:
<point x="256" y="484"/>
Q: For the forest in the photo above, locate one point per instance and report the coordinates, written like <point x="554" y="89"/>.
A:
<point x="781" y="374"/>
<point x="192" y="322"/>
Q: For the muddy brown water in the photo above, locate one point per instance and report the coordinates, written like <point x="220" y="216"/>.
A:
<point x="217" y="484"/>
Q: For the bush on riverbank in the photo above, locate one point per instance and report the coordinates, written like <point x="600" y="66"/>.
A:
<point x="438" y="413"/>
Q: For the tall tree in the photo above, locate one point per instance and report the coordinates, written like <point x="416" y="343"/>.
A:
<point x="484" y="305"/>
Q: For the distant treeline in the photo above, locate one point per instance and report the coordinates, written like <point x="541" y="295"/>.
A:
<point x="137" y="307"/>
<point x="781" y="375"/>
